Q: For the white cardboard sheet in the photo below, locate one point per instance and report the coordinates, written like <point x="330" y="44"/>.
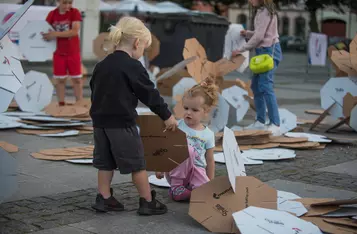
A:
<point x="158" y="182"/>
<point x="219" y="115"/>
<point x="288" y="120"/>
<point x="235" y="96"/>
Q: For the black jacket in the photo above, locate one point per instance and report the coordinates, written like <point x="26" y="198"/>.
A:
<point x="118" y="82"/>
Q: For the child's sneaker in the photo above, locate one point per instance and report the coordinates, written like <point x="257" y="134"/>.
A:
<point x="105" y="205"/>
<point x="275" y="130"/>
<point x="151" y="208"/>
<point x="256" y="126"/>
<point x="179" y="193"/>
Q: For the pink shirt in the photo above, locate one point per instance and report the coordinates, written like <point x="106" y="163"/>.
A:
<point x="262" y="36"/>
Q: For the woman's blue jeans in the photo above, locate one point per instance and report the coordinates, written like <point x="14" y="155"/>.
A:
<point x="263" y="88"/>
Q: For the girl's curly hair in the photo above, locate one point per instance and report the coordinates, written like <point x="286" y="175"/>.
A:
<point x="206" y="89"/>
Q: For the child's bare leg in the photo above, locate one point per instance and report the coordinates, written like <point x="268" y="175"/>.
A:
<point x="78" y="88"/>
<point x="60" y="89"/>
<point x="141" y="182"/>
<point x="104" y="181"/>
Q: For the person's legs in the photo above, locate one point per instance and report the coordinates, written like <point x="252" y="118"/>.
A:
<point x="259" y="100"/>
<point x="75" y="71"/>
<point x="104" y="162"/>
<point x="60" y="74"/>
<point x="128" y="151"/>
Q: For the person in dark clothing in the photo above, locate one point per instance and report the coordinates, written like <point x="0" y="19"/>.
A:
<point x="118" y="82"/>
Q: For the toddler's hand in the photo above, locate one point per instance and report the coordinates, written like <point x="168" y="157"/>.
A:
<point x="159" y="175"/>
<point x="171" y="124"/>
<point x="235" y="53"/>
<point x="243" y="33"/>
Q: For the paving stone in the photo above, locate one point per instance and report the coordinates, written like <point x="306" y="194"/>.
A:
<point x="63" y="230"/>
<point x="41" y="199"/>
<point x="47" y="224"/>
<point x="349" y="168"/>
<point x="10" y="209"/>
<point x="20" y="226"/>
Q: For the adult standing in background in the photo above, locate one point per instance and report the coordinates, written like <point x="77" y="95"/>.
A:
<point x="66" y="21"/>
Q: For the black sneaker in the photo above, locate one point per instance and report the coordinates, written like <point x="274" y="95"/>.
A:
<point x="151" y="208"/>
<point x="105" y="205"/>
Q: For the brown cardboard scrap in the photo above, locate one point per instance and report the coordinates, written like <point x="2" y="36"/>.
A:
<point x="84" y="128"/>
<point x="201" y="68"/>
<point x="317" y="210"/>
<point x="102" y="46"/>
<point x="343" y="221"/>
<point x="303" y="145"/>
<point x="253" y="140"/>
<point x="213" y="204"/>
<point x="283" y="139"/>
<point x="154" y="49"/>
<point x="62" y="152"/>
<point x="163" y="151"/>
<point x="66" y="111"/>
<point x="165" y="85"/>
<point x="179" y="110"/>
<point x="314" y="112"/>
<point x="10" y="148"/>
<point x="246" y="133"/>
<point x="341" y="58"/>
<point x="339" y="73"/>
<point x="265" y="146"/>
<point x="349" y="102"/>
<point x="335" y="203"/>
<point x="85" y="132"/>
<point x="39" y="131"/>
<point x="59" y="158"/>
<point x="328" y="227"/>
<point x="353" y="52"/>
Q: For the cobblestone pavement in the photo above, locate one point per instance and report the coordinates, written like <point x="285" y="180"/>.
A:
<point x="47" y="212"/>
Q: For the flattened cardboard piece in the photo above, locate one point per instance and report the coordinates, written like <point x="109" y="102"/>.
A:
<point x="80" y="161"/>
<point x="182" y="86"/>
<point x="62" y="152"/>
<point x="168" y="72"/>
<point x="353" y="53"/>
<point x="85" y="128"/>
<point x="254" y="140"/>
<point x="59" y="158"/>
<point x="158" y="182"/>
<point x="6" y="98"/>
<point x="163" y="151"/>
<point x="353" y="118"/>
<point x="61" y="134"/>
<point x="233" y="157"/>
<point x="32" y="44"/>
<point x="259" y="220"/>
<point x="201" y="68"/>
<point x="36" y="92"/>
<point x="179" y="110"/>
<point x="303" y="145"/>
<point x="7" y="122"/>
<point x="342" y="212"/>
<point x="329" y="228"/>
<point x="5" y="27"/>
<point x="251" y="133"/>
<point x="65" y="111"/>
<point x="341" y="59"/>
<point x="270" y="154"/>
<point x="334" y="91"/>
<point x="165" y="85"/>
<point x="282" y="139"/>
<point x="102" y="46"/>
<point x="287" y="120"/>
<point x="213" y="203"/>
<point x="314" y="112"/>
<point x="311" y="137"/>
<point x="349" y="102"/>
<point x="219" y="115"/>
<point x="345" y="222"/>
<point x="10" y="148"/>
<point x="263" y="146"/>
<point x="335" y="203"/>
<point x="235" y="97"/>
<point x="246" y="86"/>
<point x="11" y="71"/>
<point x="154" y="50"/>
<point x="317" y="210"/>
<point x="339" y="73"/>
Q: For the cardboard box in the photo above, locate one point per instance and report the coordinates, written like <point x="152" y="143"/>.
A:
<point x="163" y="151"/>
<point x="213" y="204"/>
<point x="345" y="63"/>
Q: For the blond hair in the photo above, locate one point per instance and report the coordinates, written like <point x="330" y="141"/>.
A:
<point x="128" y="29"/>
<point x="206" y="89"/>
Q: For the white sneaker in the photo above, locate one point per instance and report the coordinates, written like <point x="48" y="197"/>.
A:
<point x="275" y="130"/>
<point x="256" y="126"/>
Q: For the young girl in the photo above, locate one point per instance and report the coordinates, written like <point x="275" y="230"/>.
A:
<point x="66" y="21"/>
<point x="199" y="168"/>
<point x="265" y="40"/>
<point x="118" y="82"/>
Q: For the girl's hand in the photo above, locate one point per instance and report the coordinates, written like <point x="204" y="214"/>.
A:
<point x="159" y="175"/>
<point x="243" y="33"/>
<point x="49" y="36"/>
<point x="235" y="53"/>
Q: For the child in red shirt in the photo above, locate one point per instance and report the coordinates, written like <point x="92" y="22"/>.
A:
<point x="67" y="58"/>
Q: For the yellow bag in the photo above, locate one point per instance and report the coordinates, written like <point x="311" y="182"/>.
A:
<point x="261" y="63"/>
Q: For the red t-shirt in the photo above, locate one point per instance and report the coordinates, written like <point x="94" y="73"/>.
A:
<point x="63" y="22"/>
